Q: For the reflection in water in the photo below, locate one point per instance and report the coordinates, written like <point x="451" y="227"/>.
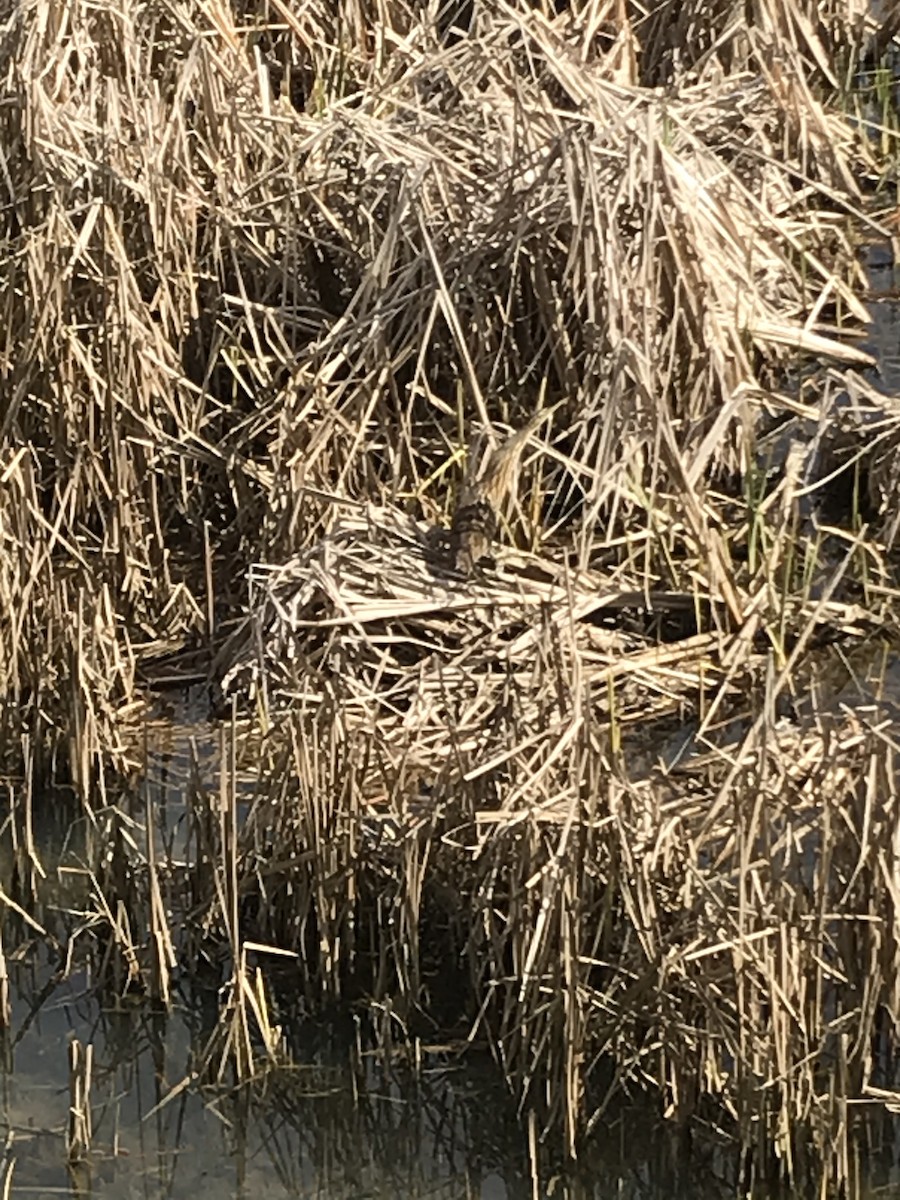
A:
<point x="327" y="1127"/>
<point x="341" y="1125"/>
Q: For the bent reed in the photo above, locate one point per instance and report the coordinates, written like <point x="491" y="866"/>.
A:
<point x="617" y="793"/>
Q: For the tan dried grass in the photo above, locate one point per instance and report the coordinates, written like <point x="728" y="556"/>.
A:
<point x="263" y="266"/>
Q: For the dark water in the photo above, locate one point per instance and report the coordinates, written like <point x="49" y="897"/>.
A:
<point x="883" y="341"/>
<point x="343" y="1121"/>
<point x="303" y="1134"/>
<point x="332" y="1126"/>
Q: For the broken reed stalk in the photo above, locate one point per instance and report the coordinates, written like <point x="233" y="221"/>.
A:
<point x="7" y="1167"/>
<point x="79" y="1134"/>
<point x="231" y="1043"/>
<point x="163" y="959"/>
<point x="5" y="1010"/>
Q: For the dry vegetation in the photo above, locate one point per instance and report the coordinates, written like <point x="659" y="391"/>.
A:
<point x="618" y="801"/>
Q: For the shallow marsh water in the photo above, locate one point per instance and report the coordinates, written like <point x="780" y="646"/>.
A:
<point x="338" y="1123"/>
<point x="317" y="1130"/>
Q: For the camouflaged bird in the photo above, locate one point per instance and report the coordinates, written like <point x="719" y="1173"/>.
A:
<point x="476" y="518"/>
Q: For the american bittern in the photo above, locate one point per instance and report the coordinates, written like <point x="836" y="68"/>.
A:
<point x="476" y="517"/>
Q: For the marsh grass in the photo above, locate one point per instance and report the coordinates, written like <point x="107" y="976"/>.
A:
<point x="269" y="275"/>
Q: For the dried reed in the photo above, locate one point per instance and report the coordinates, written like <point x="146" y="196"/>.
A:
<point x="267" y="271"/>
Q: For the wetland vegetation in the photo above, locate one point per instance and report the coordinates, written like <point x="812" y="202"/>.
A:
<point x="290" y="292"/>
